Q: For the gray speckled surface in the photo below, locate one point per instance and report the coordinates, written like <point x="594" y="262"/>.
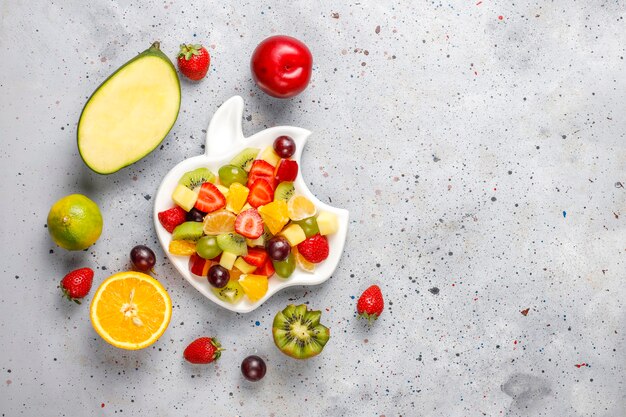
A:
<point x="482" y="160"/>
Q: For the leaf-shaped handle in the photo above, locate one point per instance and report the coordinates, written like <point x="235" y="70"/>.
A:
<point x="224" y="133"/>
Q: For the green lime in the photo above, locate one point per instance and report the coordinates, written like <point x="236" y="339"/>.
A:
<point x="75" y="222"/>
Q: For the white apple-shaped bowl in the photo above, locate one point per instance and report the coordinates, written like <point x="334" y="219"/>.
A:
<point x="225" y="140"/>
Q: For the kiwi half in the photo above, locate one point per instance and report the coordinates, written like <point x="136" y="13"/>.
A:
<point x="188" y="231"/>
<point x="244" y="158"/>
<point x="197" y="177"/>
<point x="298" y="333"/>
<point x="233" y="243"/>
<point x="231" y="293"/>
<point x="284" y="191"/>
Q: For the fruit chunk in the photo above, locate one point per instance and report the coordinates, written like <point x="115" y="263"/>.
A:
<point x="233" y="243"/>
<point x="207" y="247"/>
<point x="197" y="177"/>
<point x="309" y="226"/>
<point x="223" y="190"/>
<point x="230" y="174"/>
<point x="298" y="333"/>
<point x="285" y="268"/>
<point x="130" y="310"/>
<point x="249" y="224"/>
<point x="187" y="231"/>
<point x="327" y="223"/>
<point x="261" y="170"/>
<point x="256" y="256"/>
<point x="284" y="191"/>
<point x="278" y="248"/>
<point x="182" y="247"/>
<point x="294" y="234"/>
<point x="184" y="197"/>
<point x="314" y="249"/>
<point x="244" y="158"/>
<point x="220" y="221"/>
<point x="261" y="193"/>
<point x="300" y="207"/>
<point x="227" y="260"/>
<point x="255" y="286"/>
<point x="267" y="269"/>
<point x="244" y="266"/>
<point x="274" y="215"/>
<point x="303" y="263"/>
<point x="198" y="265"/>
<point x="130" y="113"/>
<point x="171" y="218"/>
<point x="231" y="293"/>
<point x="218" y="276"/>
<point x="287" y="170"/>
<point x="210" y="198"/>
<point x="268" y="155"/>
<point x="237" y="197"/>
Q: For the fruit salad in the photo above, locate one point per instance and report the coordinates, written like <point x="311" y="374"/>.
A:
<point x="247" y="224"/>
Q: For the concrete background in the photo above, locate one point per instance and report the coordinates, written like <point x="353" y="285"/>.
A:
<point x="479" y="147"/>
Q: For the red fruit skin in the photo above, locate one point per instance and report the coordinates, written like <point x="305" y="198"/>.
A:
<point x="267" y="269"/>
<point x="249" y="224"/>
<point x="281" y="66"/>
<point x="256" y="257"/>
<point x="371" y="303"/>
<point x="76" y="284"/>
<point x="261" y="193"/>
<point x="287" y="170"/>
<point x="196" y="67"/>
<point x="203" y="350"/>
<point x="210" y="198"/>
<point x="171" y="218"/>
<point x="198" y="265"/>
<point x="314" y="249"/>
<point x="261" y="170"/>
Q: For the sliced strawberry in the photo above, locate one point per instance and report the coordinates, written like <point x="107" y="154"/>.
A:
<point x="249" y="224"/>
<point x="261" y="170"/>
<point x="256" y="256"/>
<point x="261" y="193"/>
<point x="171" y="218"/>
<point x="287" y="170"/>
<point x="210" y="198"/>
<point x="267" y="269"/>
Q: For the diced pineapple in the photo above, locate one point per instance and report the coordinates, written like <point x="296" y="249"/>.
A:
<point x="237" y="197"/>
<point x="227" y="260"/>
<point x="327" y="223"/>
<point x="223" y="190"/>
<point x="294" y="234"/>
<point x="269" y="156"/>
<point x="184" y="197"/>
<point x="259" y="241"/>
<point x="244" y="266"/>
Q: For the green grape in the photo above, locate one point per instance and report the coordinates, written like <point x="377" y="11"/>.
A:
<point x="309" y="225"/>
<point x="285" y="268"/>
<point x="230" y="174"/>
<point x="207" y="247"/>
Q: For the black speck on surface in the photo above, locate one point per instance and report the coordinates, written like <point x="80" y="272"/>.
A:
<point x="147" y="197"/>
<point x="434" y="290"/>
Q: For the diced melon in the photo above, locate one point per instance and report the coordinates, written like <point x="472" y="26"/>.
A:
<point x="269" y="156"/>
<point x="184" y="197"/>
<point x="327" y="223"/>
<point x="294" y="234"/>
<point x="244" y="266"/>
<point x="227" y="260"/>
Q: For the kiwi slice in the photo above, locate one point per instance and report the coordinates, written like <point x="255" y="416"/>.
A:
<point x="233" y="243"/>
<point x="244" y="158"/>
<point x="188" y="231"/>
<point x="231" y="293"/>
<point x="284" y="191"/>
<point x="298" y="333"/>
<point x="197" y="177"/>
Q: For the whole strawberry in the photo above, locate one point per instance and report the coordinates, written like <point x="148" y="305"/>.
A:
<point x="76" y="284"/>
<point x="171" y="218"/>
<point x="203" y="350"/>
<point x="314" y="249"/>
<point x="193" y="61"/>
<point x="371" y="303"/>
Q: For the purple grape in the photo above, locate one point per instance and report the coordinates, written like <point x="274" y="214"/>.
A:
<point x="143" y="258"/>
<point x="195" y="215"/>
<point x="253" y="368"/>
<point x="218" y="276"/>
<point x="284" y="146"/>
<point x="278" y="248"/>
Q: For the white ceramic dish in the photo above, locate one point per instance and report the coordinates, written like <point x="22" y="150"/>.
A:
<point x="224" y="140"/>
